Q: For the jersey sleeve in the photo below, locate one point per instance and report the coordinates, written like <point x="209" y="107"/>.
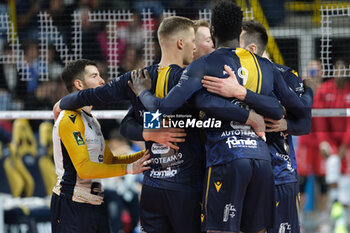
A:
<point x="301" y="126"/>
<point x="289" y="99"/>
<point x="109" y="158"/>
<point x="267" y="106"/>
<point x="114" y="91"/>
<point x="220" y="108"/>
<point x="189" y="83"/>
<point x="130" y="128"/>
<point x="72" y="137"/>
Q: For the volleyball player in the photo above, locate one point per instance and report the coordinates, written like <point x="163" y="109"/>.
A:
<point x="81" y="158"/>
<point x="254" y="38"/>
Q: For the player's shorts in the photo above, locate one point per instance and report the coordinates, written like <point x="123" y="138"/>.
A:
<point x="73" y="217"/>
<point x="344" y="190"/>
<point x="239" y="196"/>
<point x="169" y="211"/>
<point x="333" y="166"/>
<point x="287" y="208"/>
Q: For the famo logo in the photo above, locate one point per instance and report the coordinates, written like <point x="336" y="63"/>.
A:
<point x="151" y="120"/>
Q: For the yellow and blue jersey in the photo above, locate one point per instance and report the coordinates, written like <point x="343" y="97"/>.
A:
<point x="284" y="165"/>
<point x="263" y="81"/>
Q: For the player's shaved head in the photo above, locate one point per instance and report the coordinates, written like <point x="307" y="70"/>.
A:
<point x="172" y="26"/>
<point x="254" y="33"/>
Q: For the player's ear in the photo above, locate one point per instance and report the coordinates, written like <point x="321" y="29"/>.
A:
<point x="78" y="84"/>
<point x="252" y="48"/>
<point x="180" y="43"/>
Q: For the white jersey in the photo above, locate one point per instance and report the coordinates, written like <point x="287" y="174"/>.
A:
<point x="77" y="134"/>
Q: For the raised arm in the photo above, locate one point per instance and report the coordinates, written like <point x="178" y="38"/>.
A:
<point x="111" y="92"/>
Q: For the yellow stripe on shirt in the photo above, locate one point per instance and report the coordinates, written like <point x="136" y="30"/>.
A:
<point x="250" y="70"/>
<point x="162" y="81"/>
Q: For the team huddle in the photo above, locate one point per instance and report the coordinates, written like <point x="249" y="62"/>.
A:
<point x="241" y="177"/>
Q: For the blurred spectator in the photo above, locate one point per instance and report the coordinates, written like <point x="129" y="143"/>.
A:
<point x="27" y="21"/>
<point x="132" y="32"/>
<point x="132" y="59"/>
<point x="334" y="141"/>
<point x="90" y="44"/>
<point x="126" y="187"/>
<point x="309" y="159"/>
<point x="9" y="85"/>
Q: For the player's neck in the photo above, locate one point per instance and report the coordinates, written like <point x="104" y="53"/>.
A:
<point x="227" y="44"/>
<point x="171" y="57"/>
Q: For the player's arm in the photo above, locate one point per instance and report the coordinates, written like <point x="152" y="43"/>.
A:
<point x="189" y="83"/>
<point x="298" y="107"/>
<point x="267" y="106"/>
<point x="111" y="92"/>
<point x="109" y="158"/>
<point x="72" y="136"/>
<point x="291" y="124"/>
<point x="131" y="129"/>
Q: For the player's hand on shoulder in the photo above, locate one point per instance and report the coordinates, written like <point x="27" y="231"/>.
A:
<point x="56" y="110"/>
<point x="226" y="87"/>
<point x="141" y="81"/>
<point x="140" y="165"/>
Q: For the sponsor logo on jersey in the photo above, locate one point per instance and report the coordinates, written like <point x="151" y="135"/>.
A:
<point x="229" y="212"/>
<point x="286" y="158"/>
<point x="78" y="138"/>
<point x="163" y="173"/>
<point x="158" y="148"/>
<point x="151" y="120"/>
<point x="234" y="142"/>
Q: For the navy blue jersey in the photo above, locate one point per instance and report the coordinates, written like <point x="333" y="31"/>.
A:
<point x="284" y="164"/>
<point x="258" y="75"/>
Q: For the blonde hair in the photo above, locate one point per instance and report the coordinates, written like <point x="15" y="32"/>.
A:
<point x="174" y="24"/>
<point x="200" y="23"/>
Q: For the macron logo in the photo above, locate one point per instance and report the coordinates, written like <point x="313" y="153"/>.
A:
<point x="151" y="120"/>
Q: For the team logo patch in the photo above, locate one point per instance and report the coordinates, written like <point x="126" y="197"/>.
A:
<point x="151" y="120"/>
<point x="72" y="117"/>
<point x="78" y="138"/>
<point x="218" y="185"/>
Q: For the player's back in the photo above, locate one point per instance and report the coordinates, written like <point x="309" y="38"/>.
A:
<point x="235" y="140"/>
